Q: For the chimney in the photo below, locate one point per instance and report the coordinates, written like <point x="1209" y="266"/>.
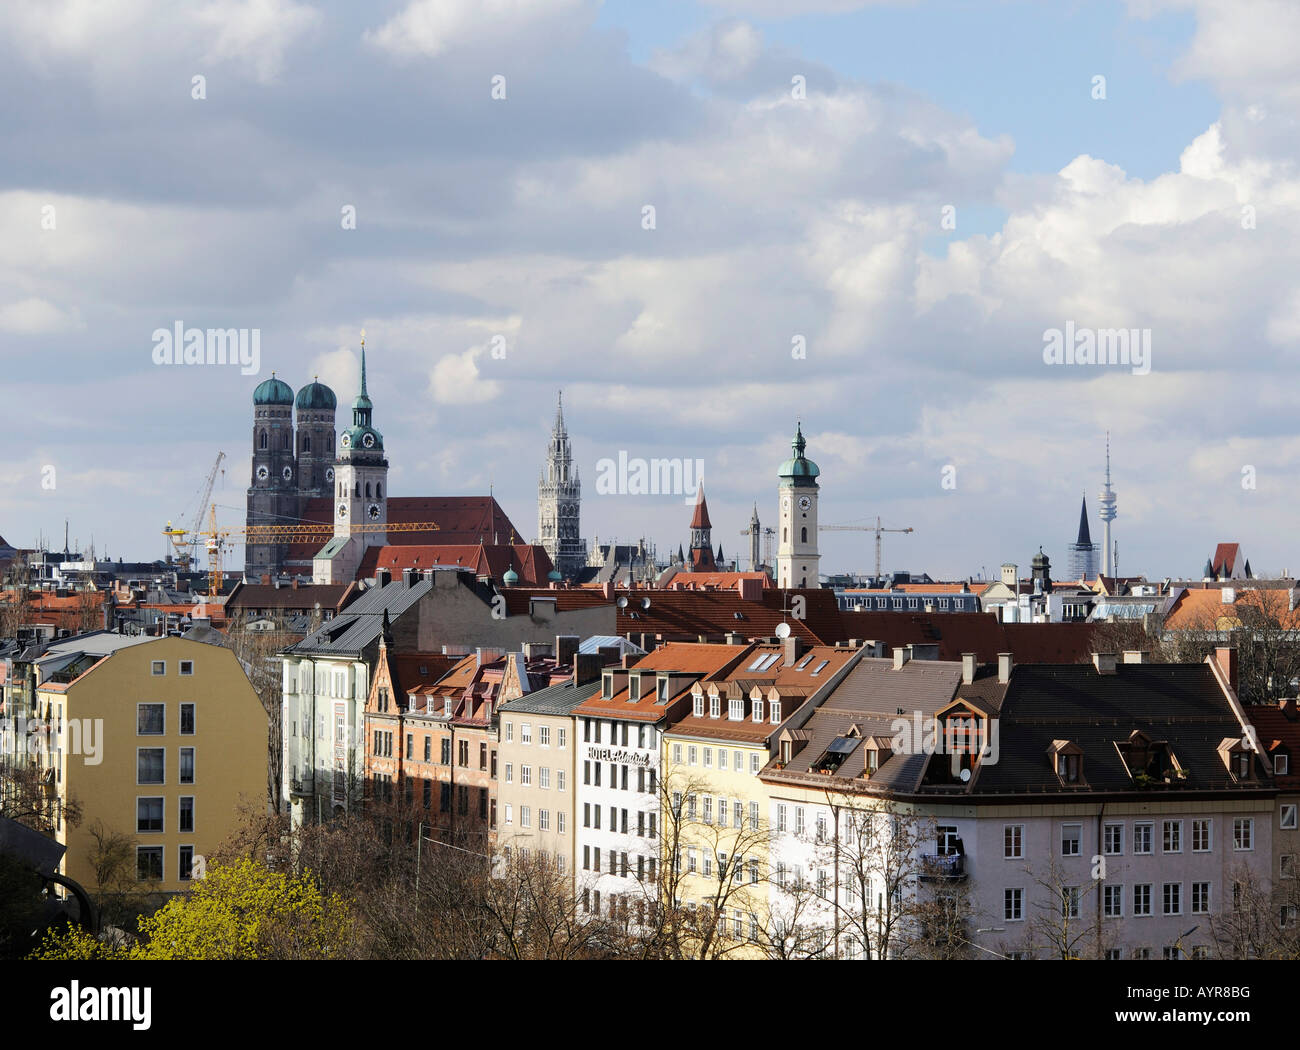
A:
<point x="1227" y="596"/>
<point x="294" y="583"/>
<point x="566" y="647"/>
<point x="1288" y="709"/>
<point x="732" y="638"/>
<point x="901" y="656"/>
<point x="409" y="576"/>
<point x="793" y="650"/>
<point x="607" y="589"/>
<point x="1004" y="668"/>
<point x="874" y="648"/>
<point x="1136" y="656"/>
<point x="609" y="654"/>
<point x="586" y="668"/>
<point x="266" y="579"/>
<point x="1105" y="663"/>
<point x="750" y="590"/>
<point x="1226" y="657"/>
<point x="383" y="577"/>
<point x="967" y="668"/>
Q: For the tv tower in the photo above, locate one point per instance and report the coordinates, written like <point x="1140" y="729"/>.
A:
<point x="1107" y="514"/>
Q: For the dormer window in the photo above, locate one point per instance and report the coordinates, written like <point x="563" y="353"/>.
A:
<point x="663" y="688"/>
<point x="607" y="686"/>
<point x="446" y="707"/>
<point x="776" y="711"/>
<point x="736" y="710"/>
<point x="633" y="688"/>
<point x="872" y="761"/>
<point x="1281" y="763"/>
<point x="698" y="704"/>
<point x="758" y="708"/>
<point x="1238" y="756"/>
<point x="1067" y="761"/>
<point x="1069" y="768"/>
<point x="1241" y="764"/>
<point x="715" y="704"/>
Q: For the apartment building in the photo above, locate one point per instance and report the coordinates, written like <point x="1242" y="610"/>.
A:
<point x="161" y="740"/>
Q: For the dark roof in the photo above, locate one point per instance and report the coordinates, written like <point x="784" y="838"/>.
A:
<point x="554" y="700"/>
<point x="359" y="626"/>
<point x="980" y="633"/>
<point x="268" y="596"/>
<point x="683" y="615"/>
<point x="1178" y="703"/>
<point x="37" y="850"/>
<point x="1278" y="728"/>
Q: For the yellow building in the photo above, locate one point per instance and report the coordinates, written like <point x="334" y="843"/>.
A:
<point x="157" y="739"/>
<point x="716" y="820"/>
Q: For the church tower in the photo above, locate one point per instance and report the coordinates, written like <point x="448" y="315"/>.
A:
<point x="797" y="557"/>
<point x="360" y="493"/>
<point x="701" y="552"/>
<point x="559" y="503"/>
<point x="272" y="497"/>
<point x="314" y="407"/>
<point x="755" y="531"/>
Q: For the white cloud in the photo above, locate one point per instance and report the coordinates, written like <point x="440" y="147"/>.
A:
<point x="457" y="379"/>
<point x="37" y="317"/>
<point x="433" y="27"/>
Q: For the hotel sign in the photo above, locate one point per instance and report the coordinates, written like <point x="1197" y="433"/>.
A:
<point x="608" y="754"/>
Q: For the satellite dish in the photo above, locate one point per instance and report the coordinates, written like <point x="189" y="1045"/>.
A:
<point x="621" y="603"/>
<point x="783" y="630"/>
<point x="965" y="776"/>
<point x="645" y="603"/>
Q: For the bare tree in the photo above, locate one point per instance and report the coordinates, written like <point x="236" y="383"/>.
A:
<point x="1065" y="921"/>
<point x="1261" y="919"/>
<point x="259" y="654"/>
<point x="16" y="599"/>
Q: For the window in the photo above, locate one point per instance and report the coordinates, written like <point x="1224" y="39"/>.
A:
<point x="187" y="667"/>
<point x="1200" y="898"/>
<point x="525" y="732"/>
<point x="1071" y="839"/>
<point x="428" y="793"/>
<point x="525" y="817"/>
<point x="708" y="758"/>
<point x="444" y="757"/>
<point x="462" y="754"/>
<point x="149" y="863"/>
<point x="410" y="746"/>
<point x="1287" y="817"/>
<point x="186" y="814"/>
<point x="1013" y="841"/>
<point x="677" y="754"/>
<point x="544" y="777"/>
<point x="187" y="719"/>
<point x="1112" y="901"/>
<point x="1173" y="894"/>
<point x="149" y="765"/>
<point x="1142" y="838"/>
<point x="559" y="780"/>
<point x="753" y="816"/>
<point x="690" y="806"/>
<point x="510" y="813"/>
<point x="1201" y="842"/>
<point x="1243" y="833"/>
<point x="543" y="736"/>
<point x="775" y="706"/>
<point x="736" y="710"/>
<point x="715" y="705"/>
<point x="428" y="748"/>
<point x="158" y="667"/>
<point x="708" y="809"/>
<point x="482" y="755"/>
<point x="1070" y="897"/>
<point x="1142" y="898"/>
<point x="780" y="816"/>
<point x="187" y="765"/>
<point x="1173" y="836"/>
<point x="149" y="719"/>
<point x="1286" y="866"/>
<point x="1013" y="905"/>
<point x="559" y="826"/>
<point x="1113" y="839"/>
<point x="526" y="776"/>
<point x="753" y="763"/>
<point x="185" y="870"/>
<point x="148" y="815"/>
<point x="690" y="755"/>
<point x="561" y="736"/>
<point x="1280" y="765"/>
<point x="758" y="709"/>
<point x="798" y="820"/>
<point x="510" y="772"/>
<point x="697" y="705"/>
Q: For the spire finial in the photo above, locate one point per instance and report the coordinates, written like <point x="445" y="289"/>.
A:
<point x="363" y="363"/>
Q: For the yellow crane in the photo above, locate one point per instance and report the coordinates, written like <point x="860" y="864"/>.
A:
<point x="877" y="528"/>
<point x="215" y="537"/>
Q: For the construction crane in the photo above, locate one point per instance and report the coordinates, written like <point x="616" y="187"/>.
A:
<point x="214" y="537"/>
<point x="877" y="528"/>
<point x="769" y="534"/>
<point x="188" y="552"/>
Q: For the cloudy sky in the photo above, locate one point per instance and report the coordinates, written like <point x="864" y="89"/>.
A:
<point x="915" y="192"/>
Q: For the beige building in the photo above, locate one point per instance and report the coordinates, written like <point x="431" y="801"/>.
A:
<point x="158" y="739"/>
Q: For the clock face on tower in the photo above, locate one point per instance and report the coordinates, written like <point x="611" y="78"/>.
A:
<point x="368" y="441"/>
<point x="343" y="510"/>
<point x="372" y="512"/>
<point x="329" y="473"/>
<point x="263" y="473"/>
<point x="346" y="440"/>
<point x="287" y="473"/>
<point x="805" y="502"/>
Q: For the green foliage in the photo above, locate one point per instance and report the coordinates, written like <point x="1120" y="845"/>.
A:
<point x="239" y="911"/>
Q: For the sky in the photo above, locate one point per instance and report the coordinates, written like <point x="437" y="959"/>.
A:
<point x="866" y="216"/>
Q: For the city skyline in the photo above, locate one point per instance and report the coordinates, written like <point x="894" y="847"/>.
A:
<point x="894" y="242"/>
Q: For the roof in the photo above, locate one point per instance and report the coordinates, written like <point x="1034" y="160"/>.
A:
<point x="1179" y="703"/>
<point x="700" y="519"/>
<point x="980" y="633"/>
<point x="596" y="642"/>
<point x="316" y="395"/>
<point x="530" y="561"/>
<point x="461" y="520"/>
<point x="1227" y="560"/>
<point x="683" y="614"/>
<point x="558" y="699"/>
<point x="694" y="660"/>
<point x="360" y="624"/>
<point x="1278" y="728"/>
<point x="267" y="596"/>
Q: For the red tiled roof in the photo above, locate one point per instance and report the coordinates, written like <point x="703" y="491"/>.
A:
<point x="1204" y="608"/>
<point x="707" y="660"/>
<point x="531" y="562"/>
<point x="460" y="519"/>
<point x="700" y="519"/>
<point x="1225" y="559"/>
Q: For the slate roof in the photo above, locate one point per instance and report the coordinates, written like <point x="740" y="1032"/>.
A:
<point x="558" y="699"/>
<point x="980" y="633"/>
<point x="1179" y="703"/>
<point x="359" y="625"/>
<point x="683" y="615"/>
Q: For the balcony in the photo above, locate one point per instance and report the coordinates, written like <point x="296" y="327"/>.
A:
<point x="302" y="786"/>
<point x="941" y="867"/>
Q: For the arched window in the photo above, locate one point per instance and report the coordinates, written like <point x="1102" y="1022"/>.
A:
<point x="358" y="490"/>
<point x="261" y="441"/>
<point x="379" y="490"/>
<point x="306" y="443"/>
<point x="785" y="534"/>
<point x="367" y="490"/>
<point x="803" y="534"/>
<point x="284" y="440"/>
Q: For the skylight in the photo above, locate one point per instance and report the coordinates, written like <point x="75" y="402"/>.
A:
<point x="818" y="669"/>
